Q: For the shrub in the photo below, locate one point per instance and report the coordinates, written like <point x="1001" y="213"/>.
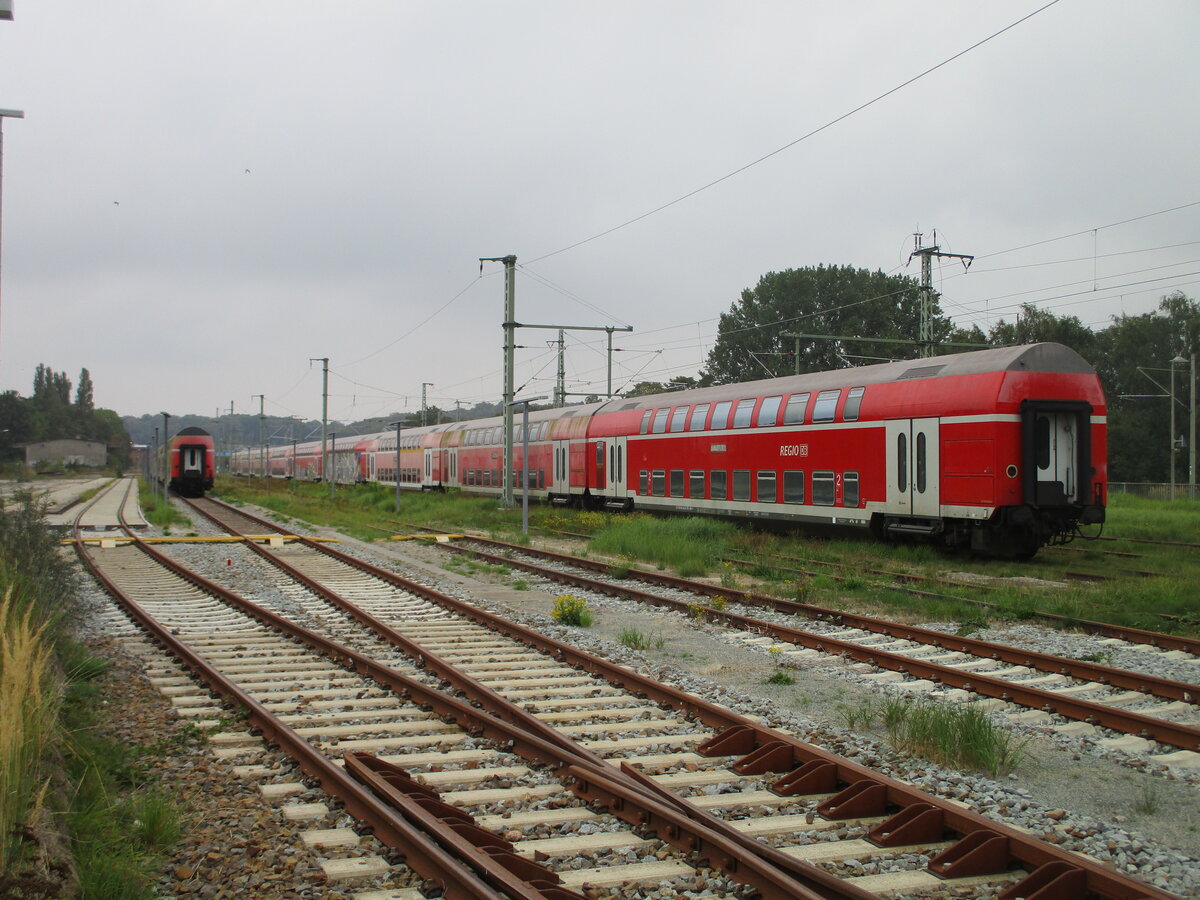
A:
<point x="571" y="610"/>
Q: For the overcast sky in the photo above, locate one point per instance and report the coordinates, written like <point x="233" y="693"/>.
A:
<point x="202" y="196"/>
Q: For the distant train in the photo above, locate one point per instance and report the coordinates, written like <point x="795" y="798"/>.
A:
<point x="191" y="459"/>
<point x="1000" y="451"/>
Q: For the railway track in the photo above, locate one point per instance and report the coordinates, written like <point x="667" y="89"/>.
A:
<point x="531" y="672"/>
<point x="1088" y="694"/>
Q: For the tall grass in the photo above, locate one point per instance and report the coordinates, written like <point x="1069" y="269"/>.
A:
<point x="30" y="696"/>
<point x="959" y="735"/>
<point x="689" y="545"/>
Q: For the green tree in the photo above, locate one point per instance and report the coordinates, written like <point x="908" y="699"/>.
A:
<point x="833" y="300"/>
<point x="1035" y="325"/>
<point x="83" y="393"/>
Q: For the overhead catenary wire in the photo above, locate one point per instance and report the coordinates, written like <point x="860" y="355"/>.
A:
<point x="801" y="139"/>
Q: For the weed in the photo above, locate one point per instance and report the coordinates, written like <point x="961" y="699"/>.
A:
<point x="634" y="639"/>
<point x="1149" y="798"/>
<point x="698" y="611"/>
<point x="720" y="604"/>
<point x="780" y="676"/>
<point x="859" y="716"/>
<point x="571" y="610"/>
<point x="520" y="585"/>
<point x="961" y="736"/>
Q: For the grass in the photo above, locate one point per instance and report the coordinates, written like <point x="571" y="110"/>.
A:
<point x="634" y="639"/>
<point x="157" y="511"/>
<point x="689" y="545"/>
<point x="54" y="765"/>
<point x="959" y="735"/>
<point x="780" y="676"/>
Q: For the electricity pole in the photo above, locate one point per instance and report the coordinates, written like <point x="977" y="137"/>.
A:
<point x="925" y="338"/>
<point x="324" y="360"/>
<point x="262" y="466"/>
<point x="560" y="385"/>
<point x="510" y="325"/>
<point x="424" y="406"/>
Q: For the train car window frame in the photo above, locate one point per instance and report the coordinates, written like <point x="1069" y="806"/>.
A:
<point x="659" y="424"/>
<point x="599" y="454"/>
<point x="793" y="486"/>
<point x="850" y="489"/>
<point x="720" y="416"/>
<point x="678" y="419"/>
<point x="766" y="486"/>
<point x="658" y="482"/>
<point x="718" y="484"/>
<point x="768" y="413"/>
<point x="646" y="421"/>
<point x="825" y="406"/>
<point x="853" y="404"/>
<point x="644" y="483"/>
<point x="824" y="488"/>
<point x="696" y="484"/>
<point x="741" y="484"/>
<point x="1041" y="442"/>
<point x="676" y="484"/>
<point x="697" y="417"/>
<point x="743" y="413"/>
<point x="796" y="409"/>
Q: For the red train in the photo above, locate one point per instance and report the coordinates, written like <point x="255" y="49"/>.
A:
<point x="191" y="457"/>
<point x="1000" y="451"/>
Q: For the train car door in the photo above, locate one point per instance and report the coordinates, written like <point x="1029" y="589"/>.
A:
<point x="1055" y="457"/>
<point x="428" y="460"/>
<point x="561" y="468"/>
<point x="913" y="470"/>
<point x="616" y="468"/>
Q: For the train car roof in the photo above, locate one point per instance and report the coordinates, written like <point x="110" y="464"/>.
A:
<point x="192" y="430"/>
<point x="1046" y="357"/>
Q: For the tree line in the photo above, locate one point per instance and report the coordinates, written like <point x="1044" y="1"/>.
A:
<point x="51" y="412"/>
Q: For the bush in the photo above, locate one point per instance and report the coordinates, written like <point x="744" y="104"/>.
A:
<point x="571" y="610"/>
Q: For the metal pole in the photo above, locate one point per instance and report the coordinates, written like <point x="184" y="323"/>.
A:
<point x="324" y="360"/>
<point x="525" y="467"/>
<point x="154" y="470"/>
<point x="610" y="333"/>
<point x="332" y="471"/>
<point x="510" y="314"/>
<point x="1192" y="433"/>
<point x="397" y="467"/>
<point x="1172" y="428"/>
<point x="560" y="383"/>
<point x="12" y="114"/>
<point x="424" y="404"/>
<point x="262" y="466"/>
<point x="295" y="476"/>
<point x="166" y="454"/>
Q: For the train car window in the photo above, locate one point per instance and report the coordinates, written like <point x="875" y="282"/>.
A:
<point x="644" y="482"/>
<point x="793" y="413"/>
<point x="853" y="402"/>
<point x="699" y="414"/>
<point x="658" y="483"/>
<point x="497" y="434"/>
<point x="826" y="406"/>
<point x="620" y="464"/>
<point x="720" y="417"/>
<point x="487" y="477"/>
<point x="1041" y="442"/>
<point x="902" y="462"/>
<point x="646" y="421"/>
<point x="849" y="489"/>
<point x="921" y="462"/>
<point x="742" y="415"/>
<point x="768" y="413"/>
<point x="741" y="484"/>
<point x="766" y="487"/>
<point x="679" y="418"/>
<point x="599" y="454"/>
<point x="696" y="484"/>
<point x="660" y="421"/>
<point x="793" y="486"/>
<point x="823" y="488"/>
<point x="676" y="483"/>
<point x="718" y="483"/>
